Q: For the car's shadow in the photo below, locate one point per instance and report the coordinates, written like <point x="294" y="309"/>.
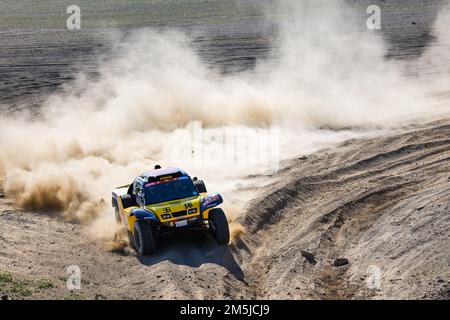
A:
<point x="193" y="249"/>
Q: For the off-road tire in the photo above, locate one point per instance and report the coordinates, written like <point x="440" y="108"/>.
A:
<point x="144" y="243"/>
<point x="131" y="239"/>
<point x="218" y="225"/>
<point x="117" y="211"/>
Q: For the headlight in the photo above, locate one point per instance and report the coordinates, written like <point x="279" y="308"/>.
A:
<point x="193" y="210"/>
<point x="166" y="216"/>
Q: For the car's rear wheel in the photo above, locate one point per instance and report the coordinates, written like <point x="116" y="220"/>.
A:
<point x="116" y="211"/>
<point x="144" y="242"/>
<point x="219" y="226"/>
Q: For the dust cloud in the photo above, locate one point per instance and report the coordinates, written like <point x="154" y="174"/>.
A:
<point x="97" y="134"/>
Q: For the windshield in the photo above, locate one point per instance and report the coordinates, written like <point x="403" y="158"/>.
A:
<point x="173" y="189"/>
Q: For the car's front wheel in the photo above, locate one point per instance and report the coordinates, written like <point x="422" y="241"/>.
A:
<point x="144" y="242"/>
<point x="219" y="226"/>
<point x="131" y="239"/>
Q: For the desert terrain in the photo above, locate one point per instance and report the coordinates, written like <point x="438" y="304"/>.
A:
<point x="312" y="233"/>
<point x="335" y="172"/>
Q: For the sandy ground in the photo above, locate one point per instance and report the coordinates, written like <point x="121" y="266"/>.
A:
<point x="379" y="204"/>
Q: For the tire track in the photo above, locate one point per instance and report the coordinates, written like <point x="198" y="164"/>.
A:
<point x="326" y="210"/>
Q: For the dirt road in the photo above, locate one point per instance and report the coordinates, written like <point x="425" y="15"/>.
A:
<point x="366" y="219"/>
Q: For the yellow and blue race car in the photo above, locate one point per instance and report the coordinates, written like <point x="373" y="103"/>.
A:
<point x="161" y="201"/>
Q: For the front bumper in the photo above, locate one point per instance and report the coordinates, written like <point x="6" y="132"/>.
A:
<point x="191" y="223"/>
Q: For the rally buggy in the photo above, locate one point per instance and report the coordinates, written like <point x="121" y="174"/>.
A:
<point x="166" y="200"/>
